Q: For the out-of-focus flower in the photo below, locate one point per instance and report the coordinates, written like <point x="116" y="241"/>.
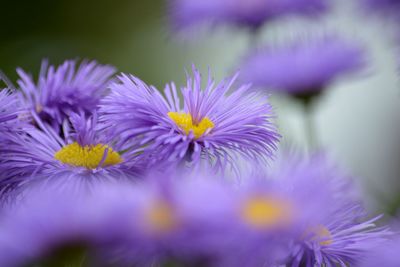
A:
<point x="251" y="13"/>
<point x="49" y="223"/>
<point x="196" y="220"/>
<point x="303" y="68"/>
<point x="337" y="230"/>
<point x="214" y="123"/>
<point x="174" y="221"/>
<point x="83" y="156"/>
<point x="65" y="89"/>
<point x="137" y="225"/>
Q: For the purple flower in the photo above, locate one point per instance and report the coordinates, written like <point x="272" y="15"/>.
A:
<point x="215" y="123"/>
<point x="48" y="221"/>
<point x="252" y="13"/>
<point x="303" y="67"/>
<point x="66" y="89"/>
<point x="133" y="225"/>
<point x="84" y="155"/>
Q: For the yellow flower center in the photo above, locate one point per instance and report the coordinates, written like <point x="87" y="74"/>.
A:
<point x="185" y="122"/>
<point x="161" y="217"/>
<point x="266" y="212"/>
<point x="321" y="233"/>
<point x="89" y="157"/>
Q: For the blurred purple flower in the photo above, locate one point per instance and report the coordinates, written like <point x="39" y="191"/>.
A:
<point x="84" y="155"/>
<point x="48" y="221"/>
<point x="337" y="231"/>
<point x="304" y="67"/>
<point x="215" y="123"/>
<point x="252" y="13"/>
<point x="66" y="89"/>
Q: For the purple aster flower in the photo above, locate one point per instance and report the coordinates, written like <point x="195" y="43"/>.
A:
<point x="214" y="123"/>
<point x="304" y="213"/>
<point x="252" y="13"/>
<point x="303" y="68"/>
<point x="48" y="223"/>
<point x="337" y="231"/>
<point x="175" y="223"/>
<point x="133" y="225"/>
<point x="83" y="155"/>
<point x="66" y="89"/>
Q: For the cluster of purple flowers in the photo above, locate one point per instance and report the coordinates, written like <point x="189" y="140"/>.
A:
<point x="102" y="169"/>
<point x="134" y="177"/>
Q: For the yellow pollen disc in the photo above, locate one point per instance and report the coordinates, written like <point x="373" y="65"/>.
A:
<point x="185" y="122"/>
<point x="161" y="217"/>
<point x="322" y="233"/>
<point x="88" y="156"/>
<point x="266" y="212"/>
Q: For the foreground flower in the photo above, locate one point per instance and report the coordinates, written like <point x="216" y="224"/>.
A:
<point x="303" y="68"/>
<point x="51" y="224"/>
<point x="65" y="89"/>
<point x="214" y="123"/>
<point x="338" y="231"/>
<point x="253" y="13"/>
<point x="82" y="157"/>
<point x="121" y="224"/>
<point x="169" y="221"/>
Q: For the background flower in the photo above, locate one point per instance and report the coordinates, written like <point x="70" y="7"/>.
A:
<point x="65" y="89"/>
<point x="304" y="67"/>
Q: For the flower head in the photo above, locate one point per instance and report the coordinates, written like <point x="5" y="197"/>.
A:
<point x="252" y="13"/>
<point x="48" y="223"/>
<point x="214" y="123"/>
<point x="83" y="155"/>
<point x="65" y="89"/>
<point x="302" y="68"/>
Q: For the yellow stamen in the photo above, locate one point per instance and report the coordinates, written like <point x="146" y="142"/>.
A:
<point x="185" y="122"/>
<point x="322" y="233"/>
<point x="266" y="212"/>
<point x="161" y="217"/>
<point x="88" y="156"/>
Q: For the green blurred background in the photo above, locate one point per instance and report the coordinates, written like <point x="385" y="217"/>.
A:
<point x="358" y="120"/>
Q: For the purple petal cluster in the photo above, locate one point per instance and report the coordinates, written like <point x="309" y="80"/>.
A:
<point x="303" y="67"/>
<point x="68" y="88"/>
<point x="166" y="128"/>
<point x="193" y="220"/>
<point x="251" y="13"/>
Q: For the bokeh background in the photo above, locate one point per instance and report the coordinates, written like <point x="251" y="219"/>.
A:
<point x="357" y="119"/>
